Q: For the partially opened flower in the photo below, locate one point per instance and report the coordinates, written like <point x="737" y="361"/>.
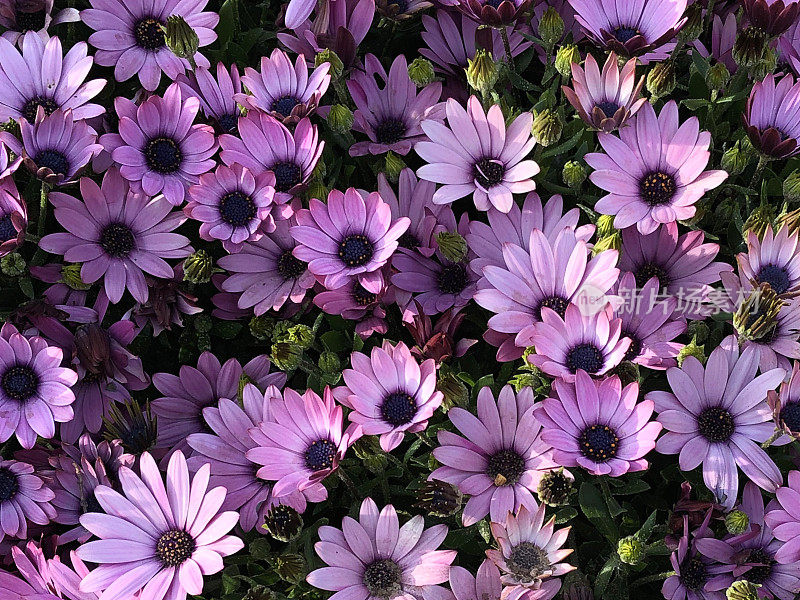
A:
<point x="773" y="17"/>
<point x="717" y="415"/>
<point x="155" y="539"/>
<point x="770" y="116"/>
<point x="500" y="457"/>
<point x="605" y="100"/>
<point x="782" y="517"/>
<point x="129" y="36"/>
<point x="351" y="236"/>
<point x="484" y="585"/>
<point x="495" y="13"/>
<point x="694" y="572"/>
<point x="21" y="16"/>
<point x="354" y="303"/>
<point x="475" y="155"/>
<point x="723" y="37"/>
<point x="23" y="497"/>
<point x="282" y="90"/>
<point x="598" y="425"/>
<point x="217" y="96"/>
<point x="374" y="558"/>
<point x="775" y="259"/>
<point x="13" y="221"/>
<point x="785" y="405"/>
<point x="118" y="235"/>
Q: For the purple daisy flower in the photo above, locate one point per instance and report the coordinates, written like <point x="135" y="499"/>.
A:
<point x="775" y="259"/>
<point x="495" y="13"/>
<point x="683" y="264"/>
<point x="375" y="558"/>
<point x="605" y="101"/>
<point x="658" y="181"/>
<point x="23" y="497"/>
<point x="184" y="396"/>
<point x="390" y="393"/>
<point x="265" y="144"/>
<point x="606" y="432"/>
<point x="283" y="91"/>
<point x="129" y="36"/>
<point x="233" y="205"/>
<point x="631" y="27"/>
<point x="717" y="415"/>
<point x="157" y="145"/>
<point x="21" y="16"/>
<point x="783" y="516"/>
<point x="168" y="302"/>
<point x="266" y="274"/>
<point x="475" y="154"/>
<point x="13" y="221"/>
<point x="302" y="443"/>
<point x="397" y="11"/>
<point x="501" y="457"/>
<point x="34" y="388"/>
<point x="693" y="570"/>
<point x="354" y="303"/>
<point x="785" y="405"/>
<point x="484" y="585"/>
<point x="770" y="116"/>
<point x="773" y="17"/>
<point x="217" y="96"/>
<point x="155" y="539"/>
<point x="42" y="76"/>
<point x="117" y="234"/>
<point x="723" y="37"/>
<point x="352" y="236"/>
<point x="388" y="108"/>
<point x="529" y="555"/>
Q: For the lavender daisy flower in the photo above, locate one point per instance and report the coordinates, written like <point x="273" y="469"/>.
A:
<point x="375" y="558"/>
<point x="13" y="221"/>
<point x="493" y="13"/>
<point x="501" y="457"/>
<point x="723" y="37"/>
<point x="606" y="432"/>
<point x="265" y="144"/>
<point x="475" y="154"/>
<point x="775" y="259"/>
<point x="169" y="300"/>
<point x="184" y="396"/>
<point x="155" y="539"/>
<point x="129" y="36"/>
<point x="266" y="274"/>
<point x="298" y="11"/>
<point x="354" y="303"/>
<point x="773" y="17"/>
<point x="390" y="393"/>
<point x="34" y="388"/>
<point x="484" y="585"/>
<point x="605" y="101"/>
<point x="529" y="555"/>
<point x="42" y="76"/>
<point x="117" y="234"/>
<point x="658" y="181"/>
<point x="388" y="109"/>
<point x="693" y="570"/>
<point x="633" y="27"/>
<point x="23" y="497"/>
<point x="785" y="405"/>
<point x="233" y="205"/>
<point x="217" y="96"/>
<point x="782" y="518"/>
<point x="20" y="16"/>
<point x="302" y="443"/>
<point x="770" y="116"/>
<point x="157" y="145"/>
<point x="285" y="92"/>
<point x="351" y="236"/>
<point x="717" y="415"/>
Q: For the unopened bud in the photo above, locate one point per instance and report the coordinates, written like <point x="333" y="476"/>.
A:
<point x="718" y="76"/>
<point x="737" y="522"/>
<point x="329" y="56"/>
<point x="181" y="39"/>
<point x="791" y="186"/>
<point x="551" y="27"/>
<point x="198" y="267"/>
<point x="573" y="174"/>
<point x="742" y="590"/>
<point x="340" y="118"/>
<point x="283" y="523"/>
<point x="394" y="166"/>
<point x="421" y="72"/>
<point x="692" y="349"/>
<point x="693" y="27"/>
<point x="630" y="550"/>
<point x="452" y="245"/>
<point x="662" y="79"/>
<point x="735" y="160"/>
<point x="566" y="55"/>
<point x="13" y="264"/>
<point x="482" y="72"/>
<point x="71" y="277"/>
<point x="555" y="487"/>
<point x="547" y="126"/>
<point x="749" y="47"/>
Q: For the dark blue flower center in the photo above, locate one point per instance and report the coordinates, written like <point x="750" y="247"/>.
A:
<point x="289" y="266"/>
<point x="362" y="297"/>
<point x="657" y="188"/>
<point x="163" y="155"/>
<point x="149" y="34"/>
<point x="7" y="229"/>
<point x="320" y="455"/>
<point x="382" y="578"/>
<point x="556" y="303"/>
<point x="694" y="574"/>
<point x="175" y="547"/>
<point x="762" y="572"/>
<point x="505" y="467"/>
<point x="9" y="484"/>
<point x="30" y="20"/>
<point x="117" y="240"/>
<point x="390" y="131"/>
<point x="635" y="349"/>
<point x="493" y="3"/>
<point x="586" y="357"/>
<point x="453" y="278"/>
<point x="609" y="108"/>
<point x="598" y="443"/>
<point x="31" y="106"/>
<point x="777" y="277"/>
<point x="488" y="172"/>
<point x="716" y="424"/>
<point x="356" y="250"/>
<point x="398" y="409"/>
<point x="237" y="208"/>
<point x="790" y="415"/>
<point x="284" y="105"/>
<point x="20" y="383"/>
<point x="623" y="34"/>
<point x="649" y="270"/>
<point x="228" y="123"/>
<point x="287" y="175"/>
<point x="53" y="160"/>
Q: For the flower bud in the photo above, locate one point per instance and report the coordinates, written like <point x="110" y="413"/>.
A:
<point x="421" y="71"/>
<point x="394" y="165"/>
<point x="547" y="126"/>
<point x="329" y="56"/>
<point x="482" y="71"/>
<point x="555" y="487"/>
<point x="181" y="39"/>
<point x="566" y="55"/>
<point x="630" y="550"/>
<point x="13" y="264"/>
<point x="262" y="327"/>
<point x="767" y="64"/>
<point x="453" y="389"/>
<point x="373" y="457"/>
<point x="259" y="592"/>
<point x="452" y="245"/>
<point x="605" y="226"/>
<point x="300" y="335"/>
<point x="742" y="590"/>
<point x="340" y="118"/>
<point x="692" y="349"/>
<point x="290" y="567"/>
<point x="790" y="220"/>
<point x="71" y="277"/>
<point x="627" y="371"/>
<point x="791" y="186"/>
<point x="551" y="27"/>
<point x="439" y="499"/>
<point x="718" y="76"/>
<point x="737" y="522"/>
<point x="749" y="47"/>
<point x="735" y="160"/>
<point x="283" y="523"/>
<point x="316" y="189"/>
<point x="522" y="380"/>
<point x="693" y="27"/>
<point x="759" y="219"/>
<point x="198" y="267"/>
<point x="573" y="174"/>
<point x="286" y="355"/>
<point x="661" y="79"/>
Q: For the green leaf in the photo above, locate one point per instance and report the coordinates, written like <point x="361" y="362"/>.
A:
<point x="335" y="341"/>
<point x="635" y="486"/>
<point x="26" y="285"/>
<point x="565" y="515"/>
<point x="519" y="82"/>
<point x="604" y="576"/>
<point x="701" y="64"/>
<point x="227" y="23"/>
<point x="594" y="507"/>
<point x="695" y="103"/>
<point x="647" y="528"/>
<point x="565" y="147"/>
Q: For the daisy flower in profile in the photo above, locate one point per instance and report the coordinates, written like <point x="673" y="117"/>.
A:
<point x="282" y="90"/>
<point x="495" y="13"/>
<point x="785" y="405"/>
<point x="34" y="388"/>
<point x="598" y="425"/>
<point x="717" y="416"/>
<point x="13" y="221"/>
<point x="775" y="259"/>
<point x="501" y="457"/>
<point x="354" y="303"/>
<point x="388" y="108"/>
<point x="118" y="235"/>
<point x="770" y="116"/>
<point x="42" y="76"/>
<point x="773" y="17"/>
<point x="155" y="539"/>
<point x="265" y="144"/>
<point x="529" y="555"/>
<point x="783" y="516"/>
<point x="129" y="36"/>
<point x="655" y="171"/>
<point x="605" y="100"/>
<point x="350" y="236"/>
<point x="217" y="96"/>
<point x="374" y="558"/>
<point x="23" y="497"/>
<point x="233" y="205"/>
<point x="390" y="393"/>
<point x="475" y="154"/>
<point x="21" y="16"/>
<point x="631" y="27"/>
<point x="159" y="148"/>
<point x="694" y="572"/>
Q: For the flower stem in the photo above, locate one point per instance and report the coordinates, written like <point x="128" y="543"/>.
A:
<point x="772" y="438"/>
<point x="348" y="483"/>
<point x="42" y="208"/>
<point x="763" y="159"/>
<point x="507" y="47"/>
